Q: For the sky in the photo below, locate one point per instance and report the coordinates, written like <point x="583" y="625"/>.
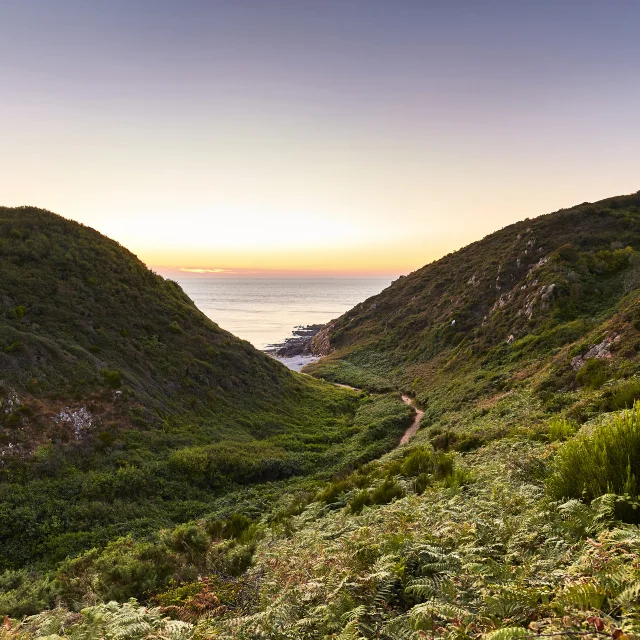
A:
<point x="345" y="137"/>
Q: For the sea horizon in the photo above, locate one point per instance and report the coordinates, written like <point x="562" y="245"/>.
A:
<point x="265" y="311"/>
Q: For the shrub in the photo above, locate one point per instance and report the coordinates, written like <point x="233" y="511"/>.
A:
<point x="334" y="490"/>
<point x="623" y="396"/>
<point x="112" y="377"/>
<point x="188" y="539"/>
<point x="20" y="311"/>
<point x="359" y="502"/>
<point x="603" y="461"/>
<point x="568" y="253"/>
<point x="386" y="492"/>
<point x="422" y="482"/>
<point x="236" y="525"/>
<point x="560" y="429"/>
<point x="419" y="461"/>
<point x="233" y="527"/>
<point x="443" y="440"/>
<point x="14" y="346"/>
<point x="423" y="460"/>
<point x="124" y="569"/>
<point x="21" y="592"/>
<point x="579" y="349"/>
<point x="12" y="420"/>
<point x="592" y="374"/>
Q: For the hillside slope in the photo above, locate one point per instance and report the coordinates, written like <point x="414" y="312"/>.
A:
<point x="77" y="306"/>
<point x="123" y="409"/>
<point x="511" y="309"/>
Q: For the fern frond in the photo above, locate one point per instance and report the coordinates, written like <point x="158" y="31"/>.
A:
<point x="436" y="609"/>
<point x="507" y="633"/>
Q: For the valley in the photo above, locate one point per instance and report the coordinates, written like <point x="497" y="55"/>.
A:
<point x="161" y="478"/>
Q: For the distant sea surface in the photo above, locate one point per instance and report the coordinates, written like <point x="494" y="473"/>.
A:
<point x="266" y="311"/>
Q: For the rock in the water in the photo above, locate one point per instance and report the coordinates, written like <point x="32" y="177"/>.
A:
<point x="298" y="345"/>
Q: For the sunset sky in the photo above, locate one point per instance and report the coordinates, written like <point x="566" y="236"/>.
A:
<point x="314" y="136"/>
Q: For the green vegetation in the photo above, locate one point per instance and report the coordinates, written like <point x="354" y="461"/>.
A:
<point x="604" y="460"/>
<point x="593" y="374"/>
<point x="124" y="412"/>
<point x="512" y="513"/>
<point x="521" y="303"/>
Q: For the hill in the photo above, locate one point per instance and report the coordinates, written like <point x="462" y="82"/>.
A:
<point x="507" y="312"/>
<point x="123" y="409"/>
<point x="513" y="512"/>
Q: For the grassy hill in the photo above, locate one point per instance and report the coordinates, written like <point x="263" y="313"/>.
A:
<point x="123" y="409"/>
<point x="513" y="513"/>
<point x="511" y="311"/>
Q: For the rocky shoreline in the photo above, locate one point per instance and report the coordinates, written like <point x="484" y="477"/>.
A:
<point x="297" y="351"/>
<point x="298" y="345"/>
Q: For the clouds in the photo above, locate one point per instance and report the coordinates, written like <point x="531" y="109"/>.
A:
<point x="203" y="271"/>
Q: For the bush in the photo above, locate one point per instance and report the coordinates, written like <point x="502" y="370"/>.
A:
<point x="593" y="373"/>
<point x="423" y="460"/>
<point x="419" y="461"/>
<point x="124" y="569"/>
<point x="603" y="461"/>
<point x="386" y="492"/>
<point x="359" y="502"/>
<point x="624" y="396"/>
<point x="236" y="525"/>
<point x="334" y="490"/>
<point x="579" y="349"/>
<point x="22" y="593"/>
<point x="560" y="429"/>
<point x="14" y="346"/>
<point x="233" y="527"/>
<point x="112" y="377"/>
<point x="188" y="539"/>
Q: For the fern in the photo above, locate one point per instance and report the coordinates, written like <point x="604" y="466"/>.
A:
<point x="586" y="596"/>
<point x="436" y="609"/>
<point x="630" y="596"/>
<point x="508" y="633"/>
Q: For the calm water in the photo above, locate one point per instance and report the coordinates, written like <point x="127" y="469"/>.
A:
<point x="265" y="311"/>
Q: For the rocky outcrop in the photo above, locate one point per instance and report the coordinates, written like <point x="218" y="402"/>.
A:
<point x="298" y="345"/>
<point x="321" y="343"/>
<point x="600" y="350"/>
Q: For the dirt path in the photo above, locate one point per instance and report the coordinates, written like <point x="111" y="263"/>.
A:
<point x="345" y="386"/>
<point x="415" y="425"/>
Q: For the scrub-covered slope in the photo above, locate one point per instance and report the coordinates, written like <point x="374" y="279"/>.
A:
<point x="517" y="306"/>
<point x="80" y="312"/>
<point x="124" y="409"/>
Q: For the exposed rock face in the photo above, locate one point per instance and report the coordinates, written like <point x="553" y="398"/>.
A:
<point x="601" y="350"/>
<point x="321" y="344"/>
<point x="80" y="419"/>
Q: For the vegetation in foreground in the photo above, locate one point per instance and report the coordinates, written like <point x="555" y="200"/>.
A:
<point x="422" y="543"/>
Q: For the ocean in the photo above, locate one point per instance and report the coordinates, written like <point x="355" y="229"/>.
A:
<point x="266" y="311"/>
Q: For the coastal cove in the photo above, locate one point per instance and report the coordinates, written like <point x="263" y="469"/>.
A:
<point x="268" y="311"/>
